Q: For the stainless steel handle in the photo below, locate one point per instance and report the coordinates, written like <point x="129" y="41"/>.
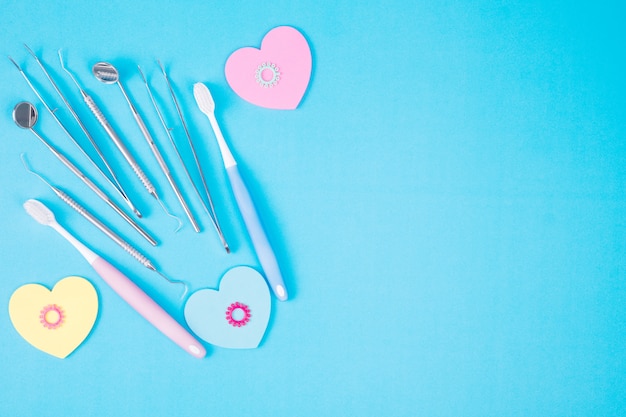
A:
<point x="119" y="144"/>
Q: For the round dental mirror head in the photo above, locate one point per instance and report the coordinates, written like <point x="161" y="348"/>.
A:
<point x="25" y="115"/>
<point x="105" y="73"/>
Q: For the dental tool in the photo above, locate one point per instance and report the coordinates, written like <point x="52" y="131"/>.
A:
<point x="53" y="113"/>
<point x="25" y="116"/>
<point x="210" y="209"/>
<point x="70" y="201"/>
<point x="261" y="244"/>
<point x="121" y="284"/>
<point x="112" y="179"/>
<point x="107" y="74"/>
<point x="159" y="157"/>
<point x="105" y="77"/>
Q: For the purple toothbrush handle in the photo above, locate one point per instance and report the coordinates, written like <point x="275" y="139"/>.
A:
<point x="255" y="229"/>
<point x="148" y="308"/>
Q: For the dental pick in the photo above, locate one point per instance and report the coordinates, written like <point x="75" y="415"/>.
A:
<point x="70" y="201"/>
<point x="106" y="73"/>
<point x="210" y="209"/>
<point x="176" y="188"/>
<point x="161" y="161"/>
<point x="25" y="116"/>
<point x="67" y="132"/>
<point x="242" y="196"/>
<point x="113" y="180"/>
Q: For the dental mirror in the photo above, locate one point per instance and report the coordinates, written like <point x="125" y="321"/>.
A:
<point x="108" y="74"/>
<point x="105" y="73"/>
<point x="25" y="115"/>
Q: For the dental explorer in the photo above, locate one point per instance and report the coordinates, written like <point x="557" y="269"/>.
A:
<point x="113" y="180"/>
<point x="52" y="112"/>
<point x="163" y="164"/>
<point x="25" y="116"/>
<point x="211" y="209"/>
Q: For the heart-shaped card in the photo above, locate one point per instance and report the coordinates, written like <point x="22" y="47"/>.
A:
<point x="275" y="76"/>
<point x="236" y="315"/>
<point x="56" y="321"/>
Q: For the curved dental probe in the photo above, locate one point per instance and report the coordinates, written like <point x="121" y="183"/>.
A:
<point x="25" y="116"/>
<point x="108" y="74"/>
<point x="70" y="201"/>
<point x="115" y="184"/>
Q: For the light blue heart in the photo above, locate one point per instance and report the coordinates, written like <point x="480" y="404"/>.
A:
<point x="206" y="310"/>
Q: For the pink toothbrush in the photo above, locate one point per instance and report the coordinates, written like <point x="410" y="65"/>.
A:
<point x="122" y="285"/>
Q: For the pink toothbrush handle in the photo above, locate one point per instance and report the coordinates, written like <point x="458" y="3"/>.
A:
<point x="148" y="308"/>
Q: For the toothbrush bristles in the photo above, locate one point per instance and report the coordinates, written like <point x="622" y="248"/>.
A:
<point x="204" y="98"/>
<point x="38" y="211"/>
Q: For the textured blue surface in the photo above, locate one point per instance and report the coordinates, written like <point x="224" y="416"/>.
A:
<point x="447" y="205"/>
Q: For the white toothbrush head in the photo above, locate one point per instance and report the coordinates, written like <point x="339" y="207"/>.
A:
<point x="38" y="211"/>
<point x="207" y="106"/>
<point x="203" y="98"/>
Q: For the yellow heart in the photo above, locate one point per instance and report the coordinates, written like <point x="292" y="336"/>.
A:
<point x="56" y="321"/>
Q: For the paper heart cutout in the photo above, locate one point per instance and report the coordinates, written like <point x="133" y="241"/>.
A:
<point x="275" y="76"/>
<point x="56" y="321"/>
<point x="236" y="315"/>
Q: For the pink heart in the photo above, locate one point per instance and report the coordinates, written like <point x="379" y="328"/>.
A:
<point x="275" y="76"/>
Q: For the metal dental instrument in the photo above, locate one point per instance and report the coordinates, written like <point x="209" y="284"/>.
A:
<point x="113" y="180"/>
<point x="52" y="112"/>
<point x="103" y="73"/>
<point x="108" y="74"/>
<point x="168" y="131"/>
<point x="25" y="116"/>
<point x="70" y="201"/>
<point x="163" y="164"/>
<point x="211" y="209"/>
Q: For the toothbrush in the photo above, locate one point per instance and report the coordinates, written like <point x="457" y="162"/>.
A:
<point x="242" y="196"/>
<point x="121" y="284"/>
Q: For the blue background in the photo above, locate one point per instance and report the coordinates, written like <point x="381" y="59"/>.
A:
<point x="447" y="204"/>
